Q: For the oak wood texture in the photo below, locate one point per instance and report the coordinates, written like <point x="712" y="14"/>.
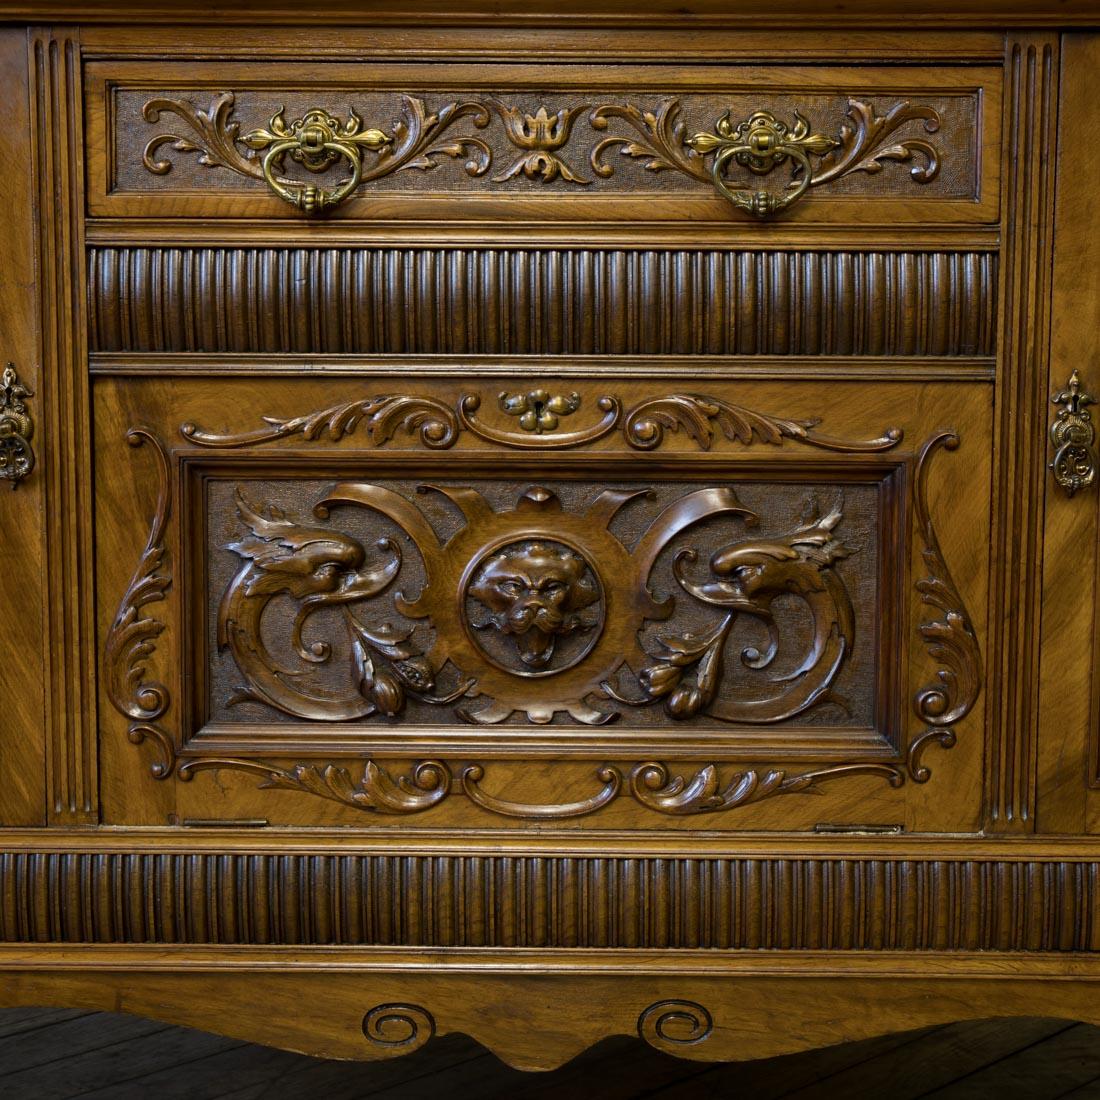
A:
<point x="437" y="832"/>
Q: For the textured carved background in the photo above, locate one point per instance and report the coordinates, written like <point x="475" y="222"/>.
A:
<point x="541" y="301"/>
<point x="779" y="506"/>
<point x="829" y="904"/>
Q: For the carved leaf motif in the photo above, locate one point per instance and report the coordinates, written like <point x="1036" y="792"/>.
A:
<point x="416" y="139"/>
<point x="435" y="423"/>
<point x="645" y="425"/>
<point x="375" y="791"/>
<point x="861" y="147"/>
<point x="653" y="786"/>
<point x="663" y="145"/>
<point x="216" y="134"/>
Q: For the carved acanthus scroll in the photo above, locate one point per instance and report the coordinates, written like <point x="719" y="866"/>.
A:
<point x="537" y="145"/>
<point x="644" y="425"/>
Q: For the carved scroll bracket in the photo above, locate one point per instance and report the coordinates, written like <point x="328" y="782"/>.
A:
<point x="950" y="640"/>
<point x="131" y="640"/>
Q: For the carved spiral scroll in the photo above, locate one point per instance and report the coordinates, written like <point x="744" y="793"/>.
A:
<point x="131" y="638"/>
<point x="398" y="1028"/>
<point x="672" y="1025"/>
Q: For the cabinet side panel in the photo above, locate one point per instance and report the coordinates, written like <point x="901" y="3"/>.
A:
<point x="1068" y="707"/>
<point x="22" y="794"/>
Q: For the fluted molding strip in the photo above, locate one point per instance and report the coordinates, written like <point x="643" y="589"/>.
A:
<point x="443" y="900"/>
<point x="518" y="301"/>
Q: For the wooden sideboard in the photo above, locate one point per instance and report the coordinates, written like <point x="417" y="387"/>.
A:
<point x="551" y="522"/>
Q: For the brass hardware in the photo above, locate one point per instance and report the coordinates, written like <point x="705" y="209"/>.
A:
<point x="1073" y="436"/>
<point x="875" y="830"/>
<point x="317" y="141"/>
<point x="16" y="428"/>
<point x="221" y="822"/>
<point x="760" y="143"/>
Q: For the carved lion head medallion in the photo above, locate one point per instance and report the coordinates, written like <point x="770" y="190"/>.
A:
<point x="531" y="602"/>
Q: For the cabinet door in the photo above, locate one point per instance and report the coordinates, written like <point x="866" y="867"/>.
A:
<point x="1069" y="702"/>
<point x="472" y="602"/>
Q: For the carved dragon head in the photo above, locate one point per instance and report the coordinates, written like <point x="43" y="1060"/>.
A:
<point x="749" y="575"/>
<point x="314" y="564"/>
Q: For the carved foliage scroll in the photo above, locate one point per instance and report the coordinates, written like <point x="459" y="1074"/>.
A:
<point x="535" y="145"/>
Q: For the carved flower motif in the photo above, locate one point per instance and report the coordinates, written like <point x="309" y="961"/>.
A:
<point x="539" y="410"/>
<point x="541" y="134"/>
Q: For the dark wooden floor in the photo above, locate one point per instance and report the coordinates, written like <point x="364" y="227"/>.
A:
<point x="48" y="1053"/>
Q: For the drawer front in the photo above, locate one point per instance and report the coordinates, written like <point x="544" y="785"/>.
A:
<point x="545" y="144"/>
<point x="617" y="602"/>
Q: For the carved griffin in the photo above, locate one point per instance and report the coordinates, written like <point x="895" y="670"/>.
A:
<point x="317" y="567"/>
<point x="746" y="578"/>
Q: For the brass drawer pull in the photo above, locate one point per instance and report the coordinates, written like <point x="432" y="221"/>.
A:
<point x="317" y="141"/>
<point x="16" y="428"/>
<point x="1073" y="436"/>
<point x="761" y="143"/>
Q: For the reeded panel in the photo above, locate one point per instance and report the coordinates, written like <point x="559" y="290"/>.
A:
<point x="572" y="143"/>
<point x="568" y="301"/>
<point x="623" y="606"/>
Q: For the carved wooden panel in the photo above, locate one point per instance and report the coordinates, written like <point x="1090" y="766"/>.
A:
<point x="676" y="603"/>
<point x="548" y="301"/>
<point x="542" y="142"/>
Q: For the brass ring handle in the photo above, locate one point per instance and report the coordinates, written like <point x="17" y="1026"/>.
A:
<point x="317" y="141"/>
<point x="305" y="196"/>
<point x="761" y="203"/>
<point x="1073" y="435"/>
<point x="16" y="429"/>
<point x="761" y="143"/>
